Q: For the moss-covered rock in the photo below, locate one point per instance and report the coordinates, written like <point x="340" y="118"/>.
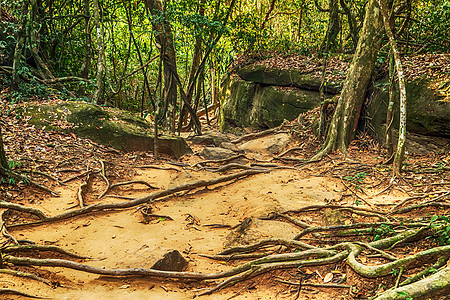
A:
<point x="282" y="77"/>
<point x="246" y="103"/>
<point x="120" y="130"/>
<point x="428" y="113"/>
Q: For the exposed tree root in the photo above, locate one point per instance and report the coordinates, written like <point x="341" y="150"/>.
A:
<point x="27" y="248"/>
<point x="157" y="167"/>
<point x="24" y="275"/>
<point x="217" y="161"/>
<point x="429" y="286"/>
<point x="103" y="174"/>
<point x="259" y="134"/>
<point x="115" y="206"/>
<point x="19" y="293"/>
<point x="308" y="256"/>
<point x="28" y="180"/>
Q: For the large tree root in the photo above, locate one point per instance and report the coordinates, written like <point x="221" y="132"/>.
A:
<point x="115" y="206"/>
<point x="308" y="256"/>
<point x="429" y="286"/>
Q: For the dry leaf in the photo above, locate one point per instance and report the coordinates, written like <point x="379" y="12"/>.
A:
<point x="328" y="277"/>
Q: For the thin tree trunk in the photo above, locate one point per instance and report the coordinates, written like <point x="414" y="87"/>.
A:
<point x="400" y="154"/>
<point x="334" y="27"/>
<point x="201" y="66"/>
<point x="3" y="159"/>
<point x="19" y="45"/>
<point x="101" y="53"/>
<point x="345" y="119"/>
<point x="35" y="42"/>
<point x="164" y="38"/>
<point x="194" y="66"/>
<point x="389" y="114"/>
<point x="352" y="26"/>
<point x="266" y="18"/>
<point x="84" y="70"/>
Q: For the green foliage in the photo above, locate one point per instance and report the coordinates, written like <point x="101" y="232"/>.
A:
<point x="356" y="179"/>
<point x="442" y="225"/>
<point x="405" y="295"/>
<point x="382" y="231"/>
<point x="431" y="25"/>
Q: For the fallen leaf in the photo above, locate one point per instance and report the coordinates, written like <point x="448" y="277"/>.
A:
<point x="328" y="277"/>
<point x="125" y="286"/>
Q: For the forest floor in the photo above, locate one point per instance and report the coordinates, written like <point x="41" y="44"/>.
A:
<point x="279" y="202"/>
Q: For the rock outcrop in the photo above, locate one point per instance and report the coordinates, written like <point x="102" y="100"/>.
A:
<point x="428" y="115"/>
<point x="120" y="130"/>
<point x="253" y="104"/>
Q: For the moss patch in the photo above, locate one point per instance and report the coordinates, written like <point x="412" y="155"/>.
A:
<point x="118" y="129"/>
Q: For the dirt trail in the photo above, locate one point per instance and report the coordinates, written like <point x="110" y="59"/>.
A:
<point x="122" y="240"/>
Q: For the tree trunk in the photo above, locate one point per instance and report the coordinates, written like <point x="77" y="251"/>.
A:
<point x="163" y="37"/>
<point x="3" y="160"/>
<point x="334" y="27"/>
<point x="84" y="70"/>
<point x="101" y="53"/>
<point x="400" y="154"/>
<point x="390" y="108"/>
<point x="196" y="59"/>
<point x="21" y="32"/>
<point x="352" y="25"/>
<point x="345" y="119"/>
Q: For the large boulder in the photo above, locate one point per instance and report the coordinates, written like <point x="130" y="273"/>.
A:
<point x="428" y="112"/>
<point x="248" y="103"/>
<point x="118" y="129"/>
<point x="287" y="77"/>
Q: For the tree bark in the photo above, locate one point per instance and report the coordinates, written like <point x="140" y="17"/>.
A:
<point x="3" y="159"/>
<point x="400" y="154"/>
<point x="334" y="27"/>
<point x="389" y="113"/>
<point x="84" y="70"/>
<point x="345" y="119"/>
<point x="196" y="59"/>
<point x="21" y="32"/>
<point x="164" y="38"/>
<point x="101" y="53"/>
